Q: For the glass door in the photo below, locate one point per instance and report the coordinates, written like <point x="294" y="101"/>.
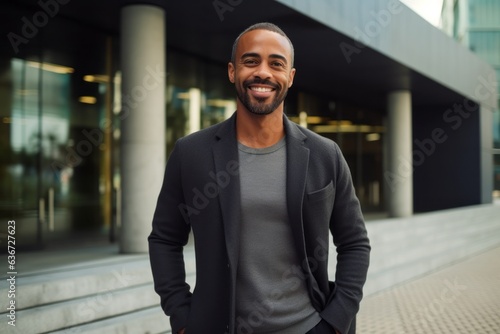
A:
<point x="56" y="141"/>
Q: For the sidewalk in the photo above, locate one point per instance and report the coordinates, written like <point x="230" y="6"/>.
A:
<point x="461" y="298"/>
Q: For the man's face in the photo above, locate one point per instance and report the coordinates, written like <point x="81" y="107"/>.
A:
<point x="262" y="71"/>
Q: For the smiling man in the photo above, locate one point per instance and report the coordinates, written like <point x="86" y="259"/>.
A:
<point x="261" y="196"/>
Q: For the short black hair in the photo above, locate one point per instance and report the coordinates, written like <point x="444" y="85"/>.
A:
<point x="262" y="26"/>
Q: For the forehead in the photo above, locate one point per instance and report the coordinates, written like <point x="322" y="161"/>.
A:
<point x="264" y="43"/>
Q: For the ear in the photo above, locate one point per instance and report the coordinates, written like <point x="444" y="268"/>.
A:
<point x="291" y="77"/>
<point x="230" y="71"/>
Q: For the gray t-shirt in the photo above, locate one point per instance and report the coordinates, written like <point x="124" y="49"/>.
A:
<point x="271" y="294"/>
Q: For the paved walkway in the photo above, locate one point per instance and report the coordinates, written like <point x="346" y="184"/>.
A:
<point x="461" y="298"/>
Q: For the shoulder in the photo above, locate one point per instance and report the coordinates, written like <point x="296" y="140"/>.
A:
<point x="204" y="138"/>
<point x="324" y="153"/>
<point x="197" y="147"/>
<point x="317" y="143"/>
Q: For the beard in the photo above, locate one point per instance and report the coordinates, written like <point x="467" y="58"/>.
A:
<point x="260" y="107"/>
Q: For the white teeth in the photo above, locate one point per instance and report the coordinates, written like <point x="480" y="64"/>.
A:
<point x="261" y="89"/>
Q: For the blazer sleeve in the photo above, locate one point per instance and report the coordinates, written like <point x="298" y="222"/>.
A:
<point x="168" y="237"/>
<point x="353" y="248"/>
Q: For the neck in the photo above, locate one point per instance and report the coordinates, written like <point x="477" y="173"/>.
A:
<point x="259" y="131"/>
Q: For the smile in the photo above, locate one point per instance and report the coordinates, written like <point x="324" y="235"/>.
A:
<point x="262" y="89"/>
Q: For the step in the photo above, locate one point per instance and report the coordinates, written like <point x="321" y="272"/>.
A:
<point x="147" y="321"/>
<point x="65" y="285"/>
<point x="391" y="254"/>
<point x="77" y="311"/>
<point x="380" y="280"/>
<point x="403" y="249"/>
<point x="88" y="278"/>
<point x="88" y="294"/>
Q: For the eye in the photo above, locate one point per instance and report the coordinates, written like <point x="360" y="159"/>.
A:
<point x="250" y="62"/>
<point x="277" y="64"/>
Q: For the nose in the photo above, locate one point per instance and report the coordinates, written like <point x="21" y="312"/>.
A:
<point x="262" y="71"/>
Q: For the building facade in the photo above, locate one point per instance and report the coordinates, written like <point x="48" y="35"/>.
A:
<point x="95" y="94"/>
<point x="476" y="25"/>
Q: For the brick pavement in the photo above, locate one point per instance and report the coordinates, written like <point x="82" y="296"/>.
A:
<point x="461" y="298"/>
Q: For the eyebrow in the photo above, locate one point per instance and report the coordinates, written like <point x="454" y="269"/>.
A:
<point x="256" y="55"/>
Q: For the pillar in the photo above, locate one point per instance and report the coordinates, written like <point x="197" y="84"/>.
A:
<point x="486" y="119"/>
<point x="142" y="156"/>
<point x="399" y="171"/>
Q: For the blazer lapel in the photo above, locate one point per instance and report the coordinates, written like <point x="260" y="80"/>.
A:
<point x="297" y="164"/>
<point x="225" y="152"/>
<point x="297" y="168"/>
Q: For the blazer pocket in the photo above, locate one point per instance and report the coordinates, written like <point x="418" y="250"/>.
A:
<point x="320" y="194"/>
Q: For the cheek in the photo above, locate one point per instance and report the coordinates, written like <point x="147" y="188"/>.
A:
<point x="286" y="83"/>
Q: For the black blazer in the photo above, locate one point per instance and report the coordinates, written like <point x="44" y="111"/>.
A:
<point x="201" y="193"/>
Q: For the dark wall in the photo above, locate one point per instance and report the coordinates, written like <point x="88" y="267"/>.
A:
<point x="446" y="156"/>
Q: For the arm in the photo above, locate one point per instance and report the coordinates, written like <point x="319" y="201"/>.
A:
<point x="169" y="235"/>
<point x="350" y="238"/>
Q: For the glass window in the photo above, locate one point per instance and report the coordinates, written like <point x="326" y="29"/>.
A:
<point x="484" y="13"/>
<point x="198" y="95"/>
<point x="53" y="145"/>
<point x="487" y="46"/>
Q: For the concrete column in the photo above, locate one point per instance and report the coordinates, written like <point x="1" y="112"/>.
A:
<point x="486" y="118"/>
<point x="142" y="155"/>
<point x="399" y="172"/>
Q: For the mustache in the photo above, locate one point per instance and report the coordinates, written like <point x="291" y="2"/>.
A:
<point x="258" y="81"/>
